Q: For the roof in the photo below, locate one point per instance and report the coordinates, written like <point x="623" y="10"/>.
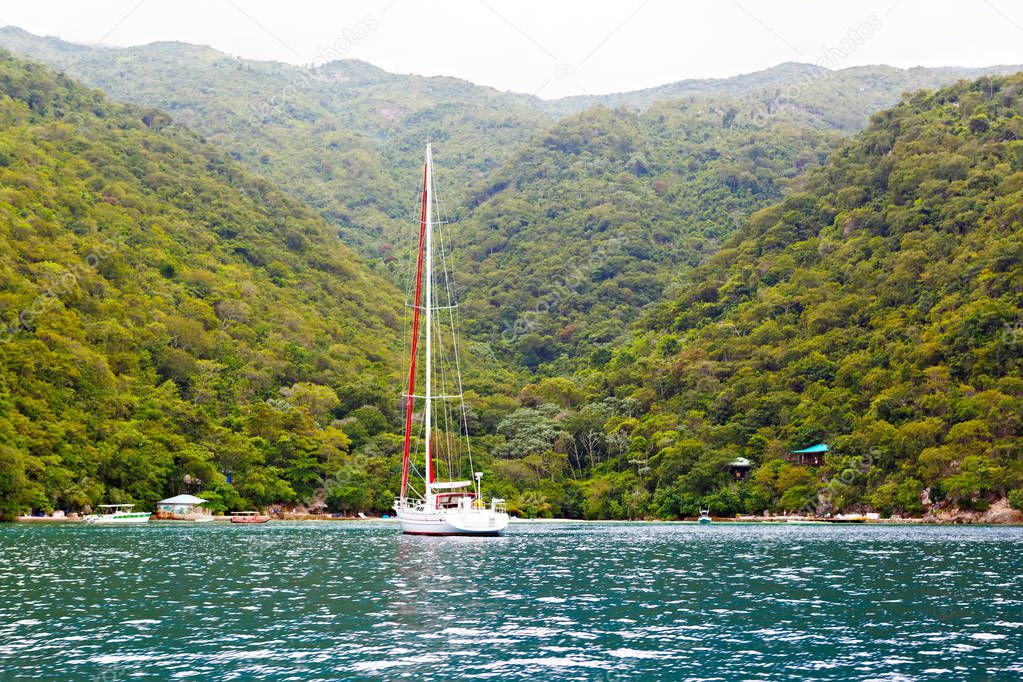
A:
<point x="182" y="499"/>
<point x="813" y="449"/>
<point x="739" y="462"/>
<point x="450" y="485"/>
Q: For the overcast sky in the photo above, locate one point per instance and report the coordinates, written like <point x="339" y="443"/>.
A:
<point x="554" y="48"/>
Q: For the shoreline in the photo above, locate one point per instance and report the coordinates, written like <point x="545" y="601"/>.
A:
<point x="744" y="520"/>
<point x="998" y="514"/>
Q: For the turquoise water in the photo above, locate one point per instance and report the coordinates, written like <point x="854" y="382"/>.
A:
<point x="558" y="602"/>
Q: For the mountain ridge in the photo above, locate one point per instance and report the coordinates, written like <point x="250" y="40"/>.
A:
<point x="745" y="82"/>
<point x="348" y="152"/>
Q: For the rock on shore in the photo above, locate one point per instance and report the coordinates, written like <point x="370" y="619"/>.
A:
<point x="1000" y="512"/>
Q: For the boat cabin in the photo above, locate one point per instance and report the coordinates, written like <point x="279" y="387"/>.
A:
<point x="454" y="500"/>
<point x="812" y="456"/>
<point x="116" y="508"/>
<point x="248" y="517"/>
<point x="452" y="494"/>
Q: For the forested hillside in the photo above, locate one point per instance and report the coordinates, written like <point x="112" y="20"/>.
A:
<point x="165" y="313"/>
<point x="346" y="138"/>
<point x="572" y="217"/>
<point x="593" y="220"/>
<point x="879" y="310"/>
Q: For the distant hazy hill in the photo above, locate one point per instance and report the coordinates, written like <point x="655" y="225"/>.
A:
<point x="154" y="300"/>
<point x="347" y="137"/>
<point x="843" y="99"/>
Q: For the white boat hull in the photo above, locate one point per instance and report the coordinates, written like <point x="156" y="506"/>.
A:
<point x="452" y="522"/>
<point x="118" y="519"/>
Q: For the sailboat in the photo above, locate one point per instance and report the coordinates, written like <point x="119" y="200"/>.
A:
<point x="439" y="507"/>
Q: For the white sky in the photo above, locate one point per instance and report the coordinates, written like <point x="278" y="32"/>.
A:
<point x="554" y="48"/>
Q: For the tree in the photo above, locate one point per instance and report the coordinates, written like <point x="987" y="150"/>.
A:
<point x="16" y="491"/>
<point x="528" y="431"/>
<point x="315" y="399"/>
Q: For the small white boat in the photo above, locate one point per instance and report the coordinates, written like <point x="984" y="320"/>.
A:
<point x="117" y="515"/>
<point x="454" y="507"/>
<point x="704" y="516"/>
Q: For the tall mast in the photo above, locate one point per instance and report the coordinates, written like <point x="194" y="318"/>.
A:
<point x="428" y="395"/>
<point x="410" y="399"/>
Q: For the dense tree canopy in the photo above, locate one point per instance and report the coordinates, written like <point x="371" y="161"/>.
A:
<point x="647" y="295"/>
<point x="877" y="308"/>
<point x="593" y="220"/>
<point x="164" y="313"/>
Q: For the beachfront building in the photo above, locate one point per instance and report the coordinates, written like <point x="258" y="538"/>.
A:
<point x="182" y="508"/>
<point x="812" y="456"/>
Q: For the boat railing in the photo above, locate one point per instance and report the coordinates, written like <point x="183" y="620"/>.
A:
<point x="499" y="505"/>
<point x="409" y="504"/>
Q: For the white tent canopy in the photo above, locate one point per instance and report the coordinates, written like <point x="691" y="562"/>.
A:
<point x="182" y="499"/>
<point x="450" y="485"/>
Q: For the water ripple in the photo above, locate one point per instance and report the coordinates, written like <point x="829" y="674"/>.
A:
<point x="562" y="602"/>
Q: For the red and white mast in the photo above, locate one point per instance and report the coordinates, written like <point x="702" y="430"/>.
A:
<point x="425" y="244"/>
<point x="448" y="513"/>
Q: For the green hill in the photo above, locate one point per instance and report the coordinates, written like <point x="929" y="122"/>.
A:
<point x="164" y="313"/>
<point x="595" y="219"/>
<point x="877" y="309"/>
<point x="168" y="312"/>
<point x="345" y="137"/>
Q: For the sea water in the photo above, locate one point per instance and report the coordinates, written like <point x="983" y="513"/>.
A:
<point x="563" y="601"/>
